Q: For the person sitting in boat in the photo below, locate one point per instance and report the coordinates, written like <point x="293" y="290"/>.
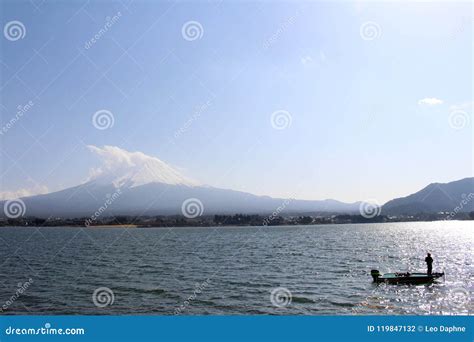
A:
<point x="429" y="263"/>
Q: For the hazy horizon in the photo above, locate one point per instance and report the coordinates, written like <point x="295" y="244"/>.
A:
<point x="345" y="101"/>
<point x="118" y="165"/>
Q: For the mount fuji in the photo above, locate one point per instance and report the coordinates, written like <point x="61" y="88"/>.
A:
<point x="137" y="184"/>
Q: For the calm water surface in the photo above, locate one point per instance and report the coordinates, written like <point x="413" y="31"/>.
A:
<point x="234" y="270"/>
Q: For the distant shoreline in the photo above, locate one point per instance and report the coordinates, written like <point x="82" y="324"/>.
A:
<point x="138" y="226"/>
<point x="109" y="226"/>
<point x="225" y="220"/>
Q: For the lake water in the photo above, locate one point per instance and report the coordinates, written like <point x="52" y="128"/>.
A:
<point x="325" y="270"/>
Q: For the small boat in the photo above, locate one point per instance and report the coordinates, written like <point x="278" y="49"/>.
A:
<point x="404" y="278"/>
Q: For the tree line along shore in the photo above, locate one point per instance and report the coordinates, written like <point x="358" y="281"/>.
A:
<point x="225" y="220"/>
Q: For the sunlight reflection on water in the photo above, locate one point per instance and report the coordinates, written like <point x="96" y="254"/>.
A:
<point x="153" y="271"/>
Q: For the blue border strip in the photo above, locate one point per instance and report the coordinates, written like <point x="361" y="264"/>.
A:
<point x="239" y="328"/>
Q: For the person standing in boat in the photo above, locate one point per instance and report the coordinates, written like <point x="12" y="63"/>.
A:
<point x="429" y="263"/>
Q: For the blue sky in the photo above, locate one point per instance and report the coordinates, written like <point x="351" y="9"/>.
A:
<point x="379" y="94"/>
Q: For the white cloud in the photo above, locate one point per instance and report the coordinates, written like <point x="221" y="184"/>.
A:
<point x="122" y="167"/>
<point x="430" y="101"/>
<point x="25" y="192"/>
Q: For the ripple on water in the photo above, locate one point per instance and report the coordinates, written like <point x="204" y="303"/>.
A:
<point x="326" y="268"/>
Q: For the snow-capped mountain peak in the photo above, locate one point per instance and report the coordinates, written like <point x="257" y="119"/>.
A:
<point x="130" y="169"/>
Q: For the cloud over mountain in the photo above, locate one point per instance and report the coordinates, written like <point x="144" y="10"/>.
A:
<point x="122" y="167"/>
<point x="148" y="186"/>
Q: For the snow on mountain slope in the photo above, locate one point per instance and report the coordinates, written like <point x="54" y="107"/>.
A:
<point x="130" y="169"/>
<point x="145" y="185"/>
